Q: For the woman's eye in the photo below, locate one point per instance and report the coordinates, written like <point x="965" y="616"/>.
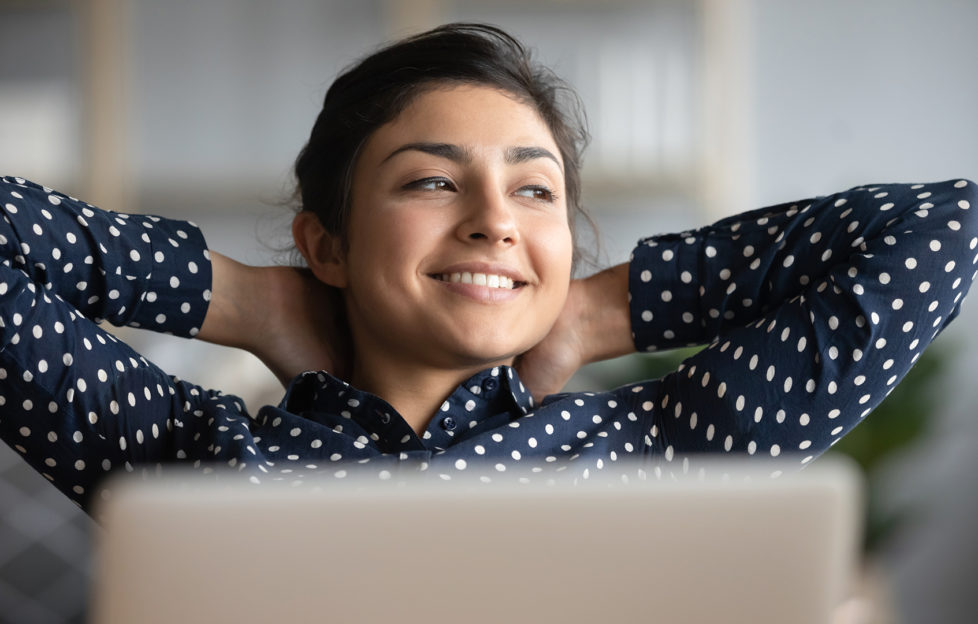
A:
<point x="539" y="193"/>
<point x="430" y="184"/>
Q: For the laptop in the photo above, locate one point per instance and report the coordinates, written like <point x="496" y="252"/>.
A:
<point x="725" y="543"/>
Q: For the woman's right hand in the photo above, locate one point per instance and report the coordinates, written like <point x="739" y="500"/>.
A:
<point x="283" y="315"/>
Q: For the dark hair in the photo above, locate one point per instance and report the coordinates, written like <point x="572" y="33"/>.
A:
<point x="375" y="90"/>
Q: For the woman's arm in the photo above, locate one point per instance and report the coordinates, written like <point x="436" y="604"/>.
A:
<point x="136" y="270"/>
<point x="77" y="402"/>
<point x="814" y="311"/>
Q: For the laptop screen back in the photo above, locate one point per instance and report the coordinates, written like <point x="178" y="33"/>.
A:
<point x="741" y="548"/>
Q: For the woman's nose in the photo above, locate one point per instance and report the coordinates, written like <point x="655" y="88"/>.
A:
<point x="489" y="217"/>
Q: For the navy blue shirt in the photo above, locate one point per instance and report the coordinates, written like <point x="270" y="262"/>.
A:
<point x="812" y="311"/>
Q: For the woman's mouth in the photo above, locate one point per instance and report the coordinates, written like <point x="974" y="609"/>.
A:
<point x="490" y="280"/>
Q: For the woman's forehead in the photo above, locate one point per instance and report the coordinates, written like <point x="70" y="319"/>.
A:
<point x="472" y="118"/>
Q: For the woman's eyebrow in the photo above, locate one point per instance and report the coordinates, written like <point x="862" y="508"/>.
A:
<point x="452" y="152"/>
<point x="459" y="154"/>
<point x="517" y="155"/>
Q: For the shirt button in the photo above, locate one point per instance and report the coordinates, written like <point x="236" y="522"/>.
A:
<point x="490" y="384"/>
<point x="385" y="418"/>
<point x="448" y="423"/>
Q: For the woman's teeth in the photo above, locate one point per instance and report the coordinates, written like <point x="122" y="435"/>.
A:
<point x="479" y="279"/>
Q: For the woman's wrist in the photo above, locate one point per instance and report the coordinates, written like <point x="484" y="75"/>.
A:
<point x="230" y="319"/>
<point x="605" y="322"/>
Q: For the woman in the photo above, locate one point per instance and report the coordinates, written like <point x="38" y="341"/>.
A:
<point x="438" y="191"/>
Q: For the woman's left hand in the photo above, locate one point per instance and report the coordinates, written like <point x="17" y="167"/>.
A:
<point x="546" y="367"/>
<point x="594" y="325"/>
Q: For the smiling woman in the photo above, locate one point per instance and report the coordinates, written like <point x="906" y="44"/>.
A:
<point x="437" y="320"/>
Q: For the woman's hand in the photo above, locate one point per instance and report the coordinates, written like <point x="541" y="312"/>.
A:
<point x="283" y="315"/>
<point x="594" y="325"/>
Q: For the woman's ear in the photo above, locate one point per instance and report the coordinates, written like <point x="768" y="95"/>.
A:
<point x="323" y="251"/>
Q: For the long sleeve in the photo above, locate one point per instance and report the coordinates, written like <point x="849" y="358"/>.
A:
<point x="813" y="311"/>
<point x="75" y="401"/>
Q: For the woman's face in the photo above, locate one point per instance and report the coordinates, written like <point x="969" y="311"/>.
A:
<point x="459" y="248"/>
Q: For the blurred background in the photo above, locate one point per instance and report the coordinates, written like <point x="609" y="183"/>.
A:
<point x="699" y="109"/>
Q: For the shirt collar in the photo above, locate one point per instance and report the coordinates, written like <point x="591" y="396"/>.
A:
<point x="318" y="392"/>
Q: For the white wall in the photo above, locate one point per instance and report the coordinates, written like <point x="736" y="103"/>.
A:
<point x="868" y="91"/>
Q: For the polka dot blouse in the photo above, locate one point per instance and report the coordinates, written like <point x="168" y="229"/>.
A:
<point x="811" y="312"/>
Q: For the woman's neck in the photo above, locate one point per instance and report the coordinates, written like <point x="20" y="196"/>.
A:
<point x="415" y="390"/>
